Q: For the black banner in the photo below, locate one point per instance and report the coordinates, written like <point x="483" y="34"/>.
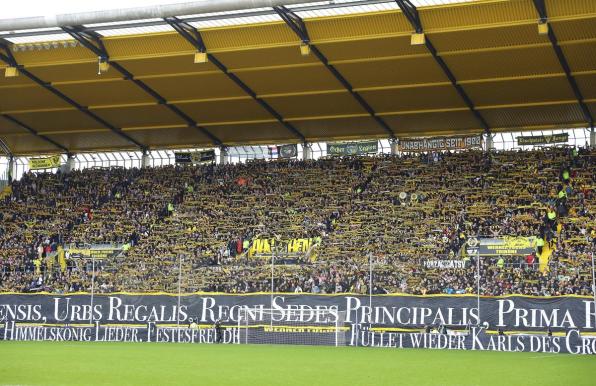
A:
<point x="195" y="157"/>
<point x="207" y="156"/>
<point x="522" y="313"/>
<point x="476" y="339"/>
<point x="542" y="139"/>
<point x="390" y="321"/>
<point x="439" y="143"/>
<point x="183" y="158"/>
<point x="352" y="148"/>
<point x="287" y="151"/>
<point x="98" y="253"/>
<point x="472" y="339"/>
<point x="444" y="264"/>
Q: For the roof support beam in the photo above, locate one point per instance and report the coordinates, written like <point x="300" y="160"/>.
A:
<point x="540" y="6"/>
<point x="193" y="36"/>
<point x="10" y="60"/>
<point x="92" y="41"/>
<point x="297" y="25"/>
<point x="411" y="13"/>
<point x="541" y="9"/>
<point x="6" y="53"/>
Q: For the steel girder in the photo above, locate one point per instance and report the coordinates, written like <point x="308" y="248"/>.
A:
<point x="193" y="36"/>
<point x="411" y="13"/>
<point x="9" y="59"/>
<point x="297" y="25"/>
<point x="92" y="41"/>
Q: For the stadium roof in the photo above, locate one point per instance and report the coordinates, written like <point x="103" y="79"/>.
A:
<point x="490" y="69"/>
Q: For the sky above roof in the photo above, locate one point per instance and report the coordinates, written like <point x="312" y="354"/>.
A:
<point x="27" y="8"/>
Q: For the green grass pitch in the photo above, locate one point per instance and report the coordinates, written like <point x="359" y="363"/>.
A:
<point x="82" y="364"/>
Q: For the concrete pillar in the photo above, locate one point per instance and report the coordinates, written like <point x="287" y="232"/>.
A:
<point x="592" y="138"/>
<point x="394" y="147"/>
<point x="10" y="168"/>
<point x="69" y="165"/>
<point x="145" y="160"/>
<point x="307" y="151"/>
<point x="490" y="144"/>
<point x="223" y="156"/>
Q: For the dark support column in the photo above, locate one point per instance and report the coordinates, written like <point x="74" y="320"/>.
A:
<point x="68" y="167"/>
<point x="10" y="168"/>
<point x="145" y="160"/>
<point x="223" y="156"/>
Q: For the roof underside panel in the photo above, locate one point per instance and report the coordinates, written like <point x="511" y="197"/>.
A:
<point x="105" y="93"/>
<point x="28" y="144"/>
<point x="195" y="86"/>
<point x="592" y="108"/>
<point x="104" y="140"/>
<point x="266" y="132"/>
<point x="388" y="72"/>
<point x="171" y="137"/>
<point x="139" y="116"/>
<point x="563" y="115"/>
<point x="340" y="128"/>
<point x="442" y="122"/>
<point x="29" y="98"/>
<point x="531" y="61"/>
<point x="520" y="91"/>
<point x="62" y="121"/>
<point x="414" y="99"/>
<point x="580" y="55"/>
<point x="283" y="80"/>
<point x="303" y="106"/>
<point x="8" y="127"/>
<point x="587" y="85"/>
<point x="221" y="111"/>
<point x="65" y="72"/>
<point x="510" y="72"/>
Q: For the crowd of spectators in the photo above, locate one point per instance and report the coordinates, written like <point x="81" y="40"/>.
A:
<point x="193" y="226"/>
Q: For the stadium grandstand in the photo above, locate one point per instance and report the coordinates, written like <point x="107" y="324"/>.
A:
<point x="354" y="157"/>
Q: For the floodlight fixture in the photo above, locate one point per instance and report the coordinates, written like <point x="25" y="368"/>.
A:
<point x="201" y="57"/>
<point x="543" y="28"/>
<point x="304" y="49"/>
<point x="11" y="72"/>
<point x="417" y="39"/>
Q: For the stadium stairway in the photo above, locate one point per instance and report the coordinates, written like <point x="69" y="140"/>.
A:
<point x="544" y="257"/>
<point x="7" y="191"/>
